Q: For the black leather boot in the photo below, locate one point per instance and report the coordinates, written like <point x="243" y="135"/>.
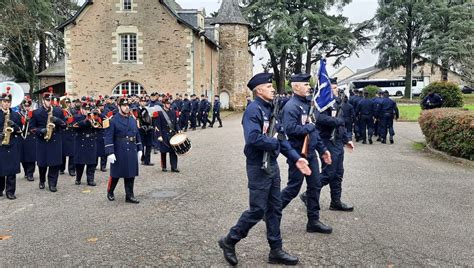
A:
<point x="111" y="196"/>
<point x="229" y="251"/>
<point x="279" y="256"/>
<point x="315" y="226"/>
<point x="338" y="205"/>
<point x="132" y="200"/>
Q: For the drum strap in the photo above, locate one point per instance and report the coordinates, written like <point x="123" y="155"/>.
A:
<point x="168" y="121"/>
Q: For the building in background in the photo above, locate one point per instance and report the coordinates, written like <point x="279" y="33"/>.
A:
<point x="143" y="46"/>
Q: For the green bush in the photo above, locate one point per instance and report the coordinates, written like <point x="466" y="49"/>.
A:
<point x="373" y="90"/>
<point x="449" y="130"/>
<point x="450" y="92"/>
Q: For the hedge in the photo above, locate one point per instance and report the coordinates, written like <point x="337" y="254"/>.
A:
<point x="372" y="90"/>
<point x="449" y="130"/>
<point x="450" y="92"/>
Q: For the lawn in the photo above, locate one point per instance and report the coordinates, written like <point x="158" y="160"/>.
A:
<point x="411" y="112"/>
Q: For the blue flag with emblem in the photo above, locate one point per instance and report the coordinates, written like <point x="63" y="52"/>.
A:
<point x="324" y="98"/>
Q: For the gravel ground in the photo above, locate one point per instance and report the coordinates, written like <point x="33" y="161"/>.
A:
<point x="410" y="209"/>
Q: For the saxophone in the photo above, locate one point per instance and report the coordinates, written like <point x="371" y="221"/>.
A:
<point x="49" y="125"/>
<point x="7" y="130"/>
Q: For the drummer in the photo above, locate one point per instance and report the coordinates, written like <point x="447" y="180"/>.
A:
<point x="168" y="126"/>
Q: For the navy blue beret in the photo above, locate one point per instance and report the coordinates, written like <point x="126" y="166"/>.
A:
<point x="259" y="79"/>
<point x="333" y="80"/>
<point x="300" y="78"/>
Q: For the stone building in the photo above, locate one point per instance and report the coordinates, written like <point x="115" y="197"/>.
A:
<point x="145" y="46"/>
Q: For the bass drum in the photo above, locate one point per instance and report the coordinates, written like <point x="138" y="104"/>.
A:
<point x="181" y="144"/>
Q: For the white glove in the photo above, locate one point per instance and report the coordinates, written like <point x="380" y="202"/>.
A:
<point x="160" y="139"/>
<point x="111" y="158"/>
<point x="140" y="153"/>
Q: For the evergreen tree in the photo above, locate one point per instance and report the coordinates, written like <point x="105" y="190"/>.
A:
<point x="403" y="29"/>
<point x="451" y="35"/>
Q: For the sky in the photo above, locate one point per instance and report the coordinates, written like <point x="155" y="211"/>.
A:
<point x="356" y="11"/>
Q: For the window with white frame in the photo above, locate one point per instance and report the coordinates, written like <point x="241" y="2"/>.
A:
<point x="128" y="47"/>
<point x="130" y="87"/>
<point x="127" y="5"/>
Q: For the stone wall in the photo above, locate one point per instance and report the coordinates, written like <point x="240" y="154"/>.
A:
<point x="165" y="62"/>
<point x="235" y="65"/>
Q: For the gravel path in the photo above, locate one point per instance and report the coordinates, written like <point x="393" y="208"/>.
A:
<point x="410" y="209"/>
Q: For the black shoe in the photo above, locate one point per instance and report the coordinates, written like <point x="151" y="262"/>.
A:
<point x="91" y="183"/>
<point x="279" y="256"/>
<point x="41" y="185"/>
<point x="203" y="128"/>
<point x="391" y="141"/>
<point x="72" y="173"/>
<point x="111" y="196"/>
<point x="370" y="141"/>
<point x="164" y="170"/>
<point x="77" y="182"/>
<point x="379" y="139"/>
<point x="229" y="251"/>
<point x="61" y="172"/>
<point x="364" y="142"/>
<point x="211" y="126"/>
<point x="155" y="151"/>
<point x="318" y="227"/>
<point x="30" y="178"/>
<point x="220" y="126"/>
<point x="103" y="169"/>
<point x="149" y="164"/>
<point x="384" y="141"/>
<point x="357" y="139"/>
<point x="52" y="189"/>
<point x="1" y="193"/>
<point x="11" y="196"/>
<point x="304" y="199"/>
<point x="340" y="206"/>
<point x="132" y="200"/>
<point x="175" y="170"/>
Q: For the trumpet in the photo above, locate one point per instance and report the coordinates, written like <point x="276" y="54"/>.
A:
<point x="93" y="119"/>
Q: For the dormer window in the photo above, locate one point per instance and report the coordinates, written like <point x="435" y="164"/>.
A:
<point x="127" y="5"/>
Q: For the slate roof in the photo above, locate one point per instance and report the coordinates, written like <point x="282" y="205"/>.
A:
<point x="229" y="13"/>
<point x="56" y="69"/>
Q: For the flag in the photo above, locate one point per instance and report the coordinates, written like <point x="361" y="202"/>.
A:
<point x="324" y="98"/>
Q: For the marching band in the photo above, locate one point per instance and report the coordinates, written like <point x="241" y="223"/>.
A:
<point x="80" y="135"/>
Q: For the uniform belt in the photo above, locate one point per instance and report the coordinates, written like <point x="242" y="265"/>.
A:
<point x="131" y="139"/>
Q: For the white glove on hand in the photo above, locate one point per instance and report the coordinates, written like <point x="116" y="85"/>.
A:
<point x="160" y="139"/>
<point x="111" y="158"/>
<point x="140" y="153"/>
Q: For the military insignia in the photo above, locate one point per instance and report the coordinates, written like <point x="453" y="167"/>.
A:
<point x="106" y="123"/>
<point x="266" y="124"/>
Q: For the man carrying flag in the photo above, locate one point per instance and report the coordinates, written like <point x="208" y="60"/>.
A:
<point x="331" y="126"/>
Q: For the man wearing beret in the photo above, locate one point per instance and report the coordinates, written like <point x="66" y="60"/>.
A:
<point x="263" y="184"/>
<point x="296" y="121"/>
<point x="333" y="173"/>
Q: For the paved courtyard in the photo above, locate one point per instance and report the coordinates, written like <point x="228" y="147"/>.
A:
<point x="410" y="209"/>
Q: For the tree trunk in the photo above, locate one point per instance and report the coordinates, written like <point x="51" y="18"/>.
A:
<point x="408" y="64"/>
<point x="299" y="62"/>
<point x="444" y="70"/>
<point x="42" y="52"/>
<point x="309" y="63"/>
<point x="274" y="63"/>
<point x="282" y="80"/>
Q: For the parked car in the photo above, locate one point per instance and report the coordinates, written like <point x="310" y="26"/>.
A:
<point x="466" y="90"/>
